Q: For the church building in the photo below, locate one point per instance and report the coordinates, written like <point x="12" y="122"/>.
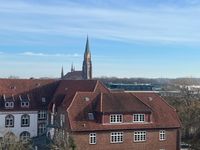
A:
<point x="86" y="72"/>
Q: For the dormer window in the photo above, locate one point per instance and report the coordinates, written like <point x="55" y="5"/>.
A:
<point x="90" y="116"/>
<point x="9" y="105"/>
<point x="24" y="100"/>
<point x="116" y="118"/>
<point x="138" y="117"/>
<point x="25" y="104"/>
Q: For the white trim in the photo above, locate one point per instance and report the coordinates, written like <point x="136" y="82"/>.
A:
<point x="140" y="135"/>
<point x="117" y="134"/>
<point x="138" y="118"/>
<point x="92" y="138"/>
<point x="162" y="135"/>
<point x="115" y="118"/>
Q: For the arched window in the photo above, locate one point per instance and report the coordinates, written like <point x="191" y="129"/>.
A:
<point x="25" y="120"/>
<point x="9" y="121"/>
<point x="9" y="137"/>
<point x="25" y="136"/>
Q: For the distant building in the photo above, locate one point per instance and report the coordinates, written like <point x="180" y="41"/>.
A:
<point x="132" y="87"/>
<point x="86" y="72"/>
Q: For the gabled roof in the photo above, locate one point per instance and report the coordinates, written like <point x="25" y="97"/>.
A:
<point x="163" y="115"/>
<point x="33" y="89"/>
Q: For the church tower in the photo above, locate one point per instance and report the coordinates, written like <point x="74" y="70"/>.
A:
<point x="87" y="63"/>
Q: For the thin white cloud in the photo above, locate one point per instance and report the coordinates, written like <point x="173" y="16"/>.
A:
<point x="160" y="24"/>
<point x="29" y="53"/>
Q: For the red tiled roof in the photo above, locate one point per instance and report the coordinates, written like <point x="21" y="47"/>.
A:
<point x="163" y="113"/>
<point x="34" y="89"/>
<point x="122" y="102"/>
<point x="68" y="88"/>
<point x="164" y="116"/>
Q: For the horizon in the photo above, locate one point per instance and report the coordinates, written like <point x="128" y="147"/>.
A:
<point x="129" y="39"/>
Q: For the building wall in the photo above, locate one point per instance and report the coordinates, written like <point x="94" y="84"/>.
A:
<point x="103" y="141"/>
<point x="17" y="129"/>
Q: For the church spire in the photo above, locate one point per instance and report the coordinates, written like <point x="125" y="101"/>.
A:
<point x="87" y="63"/>
<point x="87" y="48"/>
<point x="62" y="73"/>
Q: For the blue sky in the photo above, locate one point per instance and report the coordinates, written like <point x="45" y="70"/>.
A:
<point x="129" y="38"/>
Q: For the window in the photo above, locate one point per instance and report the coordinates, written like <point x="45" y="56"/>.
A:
<point x="25" y="120"/>
<point x="42" y="114"/>
<point x="138" y="117"/>
<point x="116" y="137"/>
<point x="90" y="116"/>
<point x="25" y="136"/>
<point x="41" y="128"/>
<point x="62" y="119"/>
<point x="92" y="138"/>
<point x="25" y="104"/>
<point x="43" y="100"/>
<point x="162" y="135"/>
<point x="139" y="136"/>
<point x="9" y="104"/>
<point x="9" y="121"/>
<point x="116" y="118"/>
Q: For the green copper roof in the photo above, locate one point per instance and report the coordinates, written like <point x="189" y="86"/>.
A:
<point x="87" y="48"/>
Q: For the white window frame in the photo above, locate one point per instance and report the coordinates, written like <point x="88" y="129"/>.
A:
<point x="11" y="121"/>
<point x="25" y="104"/>
<point x="116" y="118"/>
<point x="41" y="128"/>
<point x="116" y="137"/>
<point x="9" y="104"/>
<point x="92" y="138"/>
<point x="140" y="136"/>
<point x="42" y="114"/>
<point x="25" y="120"/>
<point x="162" y="135"/>
<point x="139" y="118"/>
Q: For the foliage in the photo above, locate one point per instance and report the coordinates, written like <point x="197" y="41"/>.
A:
<point x="188" y="108"/>
<point x="10" y="142"/>
<point x="62" y="141"/>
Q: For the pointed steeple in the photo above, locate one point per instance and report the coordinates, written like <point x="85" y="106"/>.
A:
<point x="87" y="54"/>
<point x="87" y="63"/>
<point x="62" y="73"/>
<point x="87" y="48"/>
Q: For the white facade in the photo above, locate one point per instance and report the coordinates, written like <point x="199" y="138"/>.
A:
<point x="17" y="129"/>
